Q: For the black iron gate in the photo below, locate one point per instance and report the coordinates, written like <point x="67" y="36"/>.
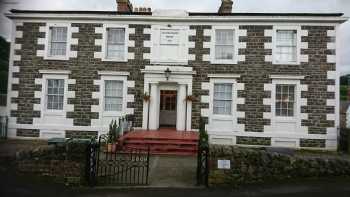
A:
<point x="3" y="126"/>
<point x="116" y="166"/>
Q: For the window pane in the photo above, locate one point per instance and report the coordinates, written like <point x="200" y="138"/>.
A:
<point x="116" y="43"/>
<point x="55" y="94"/>
<point x="286" y="50"/>
<point x="113" y="95"/>
<point x="59" y="34"/>
<point x="115" y="51"/>
<point x="224" y="52"/>
<point x="58" y="42"/>
<point x="285" y="100"/>
<point x="224" y="36"/>
<point x="224" y="44"/>
<point x="222" y="99"/>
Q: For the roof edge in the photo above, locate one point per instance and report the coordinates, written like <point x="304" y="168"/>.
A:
<point x="190" y="13"/>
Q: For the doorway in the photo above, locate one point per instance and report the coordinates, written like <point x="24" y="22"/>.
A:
<point x="167" y="113"/>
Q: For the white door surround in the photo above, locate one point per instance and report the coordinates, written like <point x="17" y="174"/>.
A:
<point x="180" y="79"/>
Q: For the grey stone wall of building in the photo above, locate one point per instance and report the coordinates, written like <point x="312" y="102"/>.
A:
<point x="254" y="72"/>
<point x="83" y="69"/>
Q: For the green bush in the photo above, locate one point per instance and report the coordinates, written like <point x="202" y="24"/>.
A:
<point x="343" y="93"/>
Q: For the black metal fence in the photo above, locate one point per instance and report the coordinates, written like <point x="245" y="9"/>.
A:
<point x="3" y="99"/>
<point x="203" y="156"/>
<point x="344" y="140"/>
<point x="108" y="165"/>
<point x="3" y="126"/>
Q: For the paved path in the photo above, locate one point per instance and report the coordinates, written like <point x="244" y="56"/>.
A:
<point x="173" y="171"/>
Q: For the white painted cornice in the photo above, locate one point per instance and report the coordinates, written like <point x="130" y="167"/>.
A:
<point x="145" y="18"/>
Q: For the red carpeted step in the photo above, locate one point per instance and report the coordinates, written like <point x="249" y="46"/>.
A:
<point x="158" y="141"/>
<point x="162" y="142"/>
<point x="163" y="147"/>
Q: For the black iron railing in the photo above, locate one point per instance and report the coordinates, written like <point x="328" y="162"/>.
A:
<point x="3" y="99"/>
<point x="116" y="166"/>
<point x="3" y="126"/>
<point x="203" y="156"/>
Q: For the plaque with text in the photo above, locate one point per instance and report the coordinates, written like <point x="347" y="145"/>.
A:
<point x="224" y="164"/>
<point x="169" y="37"/>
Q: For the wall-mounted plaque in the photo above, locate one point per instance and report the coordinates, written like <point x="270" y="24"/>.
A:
<point x="170" y="37"/>
<point x="224" y="164"/>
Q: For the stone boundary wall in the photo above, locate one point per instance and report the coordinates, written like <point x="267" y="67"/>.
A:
<point x="61" y="164"/>
<point x="248" y="165"/>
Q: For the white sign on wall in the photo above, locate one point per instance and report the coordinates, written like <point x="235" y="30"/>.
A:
<point x="224" y="164"/>
<point x="169" y="37"/>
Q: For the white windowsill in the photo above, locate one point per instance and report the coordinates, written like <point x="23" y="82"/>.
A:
<point x="215" y="61"/>
<point x="225" y="76"/>
<point x="65" y="72"/>
<point x="222" y="117"/>
<point x="286" y="63"/>
<point x="114" y="60"/>
<point x="282" y="119"/>
<point x="164" y="62"/>
<point x="111" y="113"/>
<point x="54" y="113"/>
<point x="113" y="73"/>
<point x="56" y="57"/>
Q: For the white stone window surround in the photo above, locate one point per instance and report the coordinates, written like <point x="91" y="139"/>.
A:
<point x="113" y="76"/>
<point x="156" y="43"/>
<point x="235" y="44"/>
<point x="228" y="123"/>
<point x="105" y="38"/>
<point x="53" y="74"/>
<point x="47" y="55"/>
<point x="286" y="80"/>
<point x="274" y="43"/>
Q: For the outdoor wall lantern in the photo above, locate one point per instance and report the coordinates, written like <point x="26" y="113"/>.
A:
<point x="167" y="73"/>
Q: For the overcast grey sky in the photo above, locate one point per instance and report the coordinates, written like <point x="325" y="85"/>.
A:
<point x="199" y="6"/>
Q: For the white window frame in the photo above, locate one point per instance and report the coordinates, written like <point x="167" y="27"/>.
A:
<point x="47" y="74"/>
<point x="155" y="44"/>
<point x="235" y="45"/>
<point x="47" y="54"/>
<point x="52" y="94"/>
<point x="298" y="44"/>
<point x="105" y="40"/>
<point x="297" y="102"/>
<point x="116" y="77"/>
<point x="231" y="116"/>
<point x="122" y="84"/>
<point x="221" y="99"/>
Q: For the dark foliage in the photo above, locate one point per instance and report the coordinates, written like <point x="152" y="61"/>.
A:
<point x="4" y="64"/>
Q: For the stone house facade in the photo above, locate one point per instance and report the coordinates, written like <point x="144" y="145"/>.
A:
<point x="256" y="78"/>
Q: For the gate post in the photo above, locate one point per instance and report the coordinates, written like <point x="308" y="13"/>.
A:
<point x="90" y="166"/>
